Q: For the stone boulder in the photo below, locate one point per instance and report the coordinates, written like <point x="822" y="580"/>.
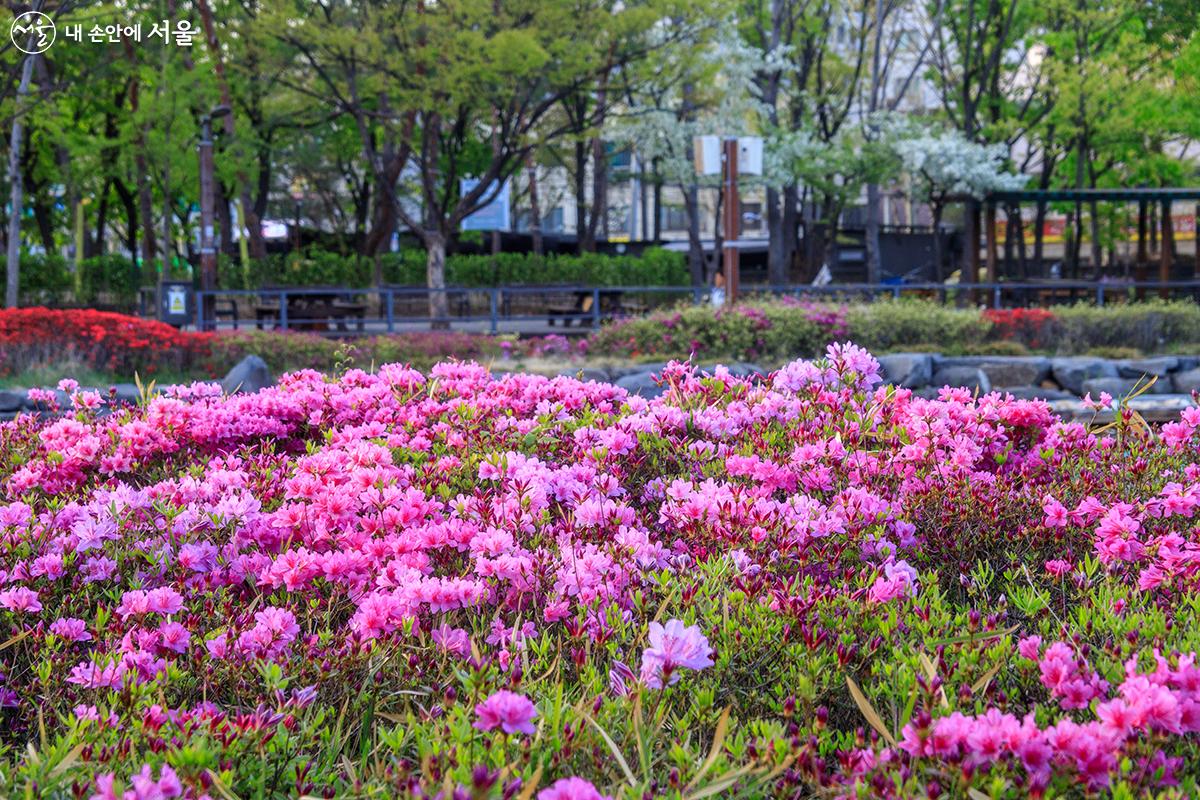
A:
<point x="250" y="375"/>
<point x="1158" y="367"/>
<point x="1036" y="393"/>
<point x="1071" y="372"/>
<point x="972" y="378"/>
<point x="642" y="384"/>
<point x="1187" y="381"/>
<point x="12" y="399"/>
<point x="907" y="370"/>
<point x="1116" y="387"/>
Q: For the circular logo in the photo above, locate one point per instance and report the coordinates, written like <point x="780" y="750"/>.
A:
<point x="33" y="32"/>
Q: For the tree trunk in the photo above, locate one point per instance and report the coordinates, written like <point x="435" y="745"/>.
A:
<point x="1097" y="247"/>
<point x="535" y="208"/>
<point x="15" y="200"/>
<point x="790" y="234"/>
<point x="657" y="203"/>
<point x="939" y="255"/>
<point x="435" y="276"/>
<point x="598" y="221"/>
<point x="874" y="268"/>
<point x="777" y="262"/>
<point x="582" y="227"/>
<point x="1039" y="238"/>
<point x="258" y="245"/>
<point x="691" y="204"/>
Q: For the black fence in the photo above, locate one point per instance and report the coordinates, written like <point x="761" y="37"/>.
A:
<point x="351" y="311"/>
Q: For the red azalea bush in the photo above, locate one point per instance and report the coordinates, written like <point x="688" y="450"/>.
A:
<point x="98" y="339"/>
<point x="1032" y="327"/>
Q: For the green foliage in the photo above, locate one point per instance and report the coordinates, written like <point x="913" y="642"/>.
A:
<point x="109" y="276"/>
<point x="770" y="332"/>
<point x="45" y="279"/>
<point x="655" y="267"/>
<point x="1147" y="327"/>
<point x="893" y="323"/>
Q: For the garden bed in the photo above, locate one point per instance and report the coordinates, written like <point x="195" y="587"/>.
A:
<point x="399" y="583"/>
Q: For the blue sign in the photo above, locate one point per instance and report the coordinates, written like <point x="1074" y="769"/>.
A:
<point x="492" y="217"/>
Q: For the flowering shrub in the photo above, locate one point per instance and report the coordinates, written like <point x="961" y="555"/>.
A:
<point x="98" y="339"/>
<point x="1032" y="327"/>
<point x="401" y="584"/>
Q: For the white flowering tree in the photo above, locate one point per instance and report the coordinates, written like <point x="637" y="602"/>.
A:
<point x="944" y="166"/>
<point x="705" y="89"/>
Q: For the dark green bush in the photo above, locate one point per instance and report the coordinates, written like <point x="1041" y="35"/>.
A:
<point x="1147" y="326"/>
<point x="891" y="324"/>
<point x="45" y="279"/>
<point x="655" y="267"/>
<point x="113" y="279"/>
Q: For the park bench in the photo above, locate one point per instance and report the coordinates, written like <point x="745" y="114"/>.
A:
<point x="311" y="310"/>
<point x="612" y="304"/>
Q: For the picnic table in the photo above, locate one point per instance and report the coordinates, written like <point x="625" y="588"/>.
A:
<point x="311" y="308"/>
<point x="571" y="304"/>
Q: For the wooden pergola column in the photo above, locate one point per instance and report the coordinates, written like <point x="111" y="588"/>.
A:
<point x="991" y="244"/>
<point x="1164" y="250"/>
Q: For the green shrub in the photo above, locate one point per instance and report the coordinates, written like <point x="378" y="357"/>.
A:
<point x="655" y="267"/>
<point x="1148" y="326"/>
<point x="1114" y="352"/>
<point x="892" y="324"/>
<point x="996" y="349"/>
<point x="771" y="332"/>
<point x="45" y="279"/>
<point x="112" y="278"/>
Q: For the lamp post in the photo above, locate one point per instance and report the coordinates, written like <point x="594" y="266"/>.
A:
<point x="208" y="253"/>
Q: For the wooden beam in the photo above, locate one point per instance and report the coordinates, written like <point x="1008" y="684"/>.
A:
<point x="1164" y="253"/>
<point x="992" y="248"/>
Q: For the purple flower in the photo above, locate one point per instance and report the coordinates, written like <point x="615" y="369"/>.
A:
<point x="672" y="647"/>
<point x="452" y="640"/>
<point x="572" y="789"/>
<point x="506" y="710"/>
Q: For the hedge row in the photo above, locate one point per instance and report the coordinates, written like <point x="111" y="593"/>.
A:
<point x="655" y="267"/>
<point x="776" y="331"/>
<point x="47" y="279"/>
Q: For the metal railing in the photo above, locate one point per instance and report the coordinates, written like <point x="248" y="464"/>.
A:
<point x="352" y="311"/>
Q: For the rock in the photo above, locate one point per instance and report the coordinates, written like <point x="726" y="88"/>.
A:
<point x="1152" y="408"/>
<point x="641" y="383"/>
<point x="1071" y="372"/>
<point x="907" y="370"/>
<point x="61" y="397"/>
<point x="12" y="399"/>
<point x="972" y="378"/>
<point x="1116" y="387"/>
<point x="1150" y="367"/>
<point x="128" y="393"/>
<point x="1036" y="393"/>
<point x="250" y="375"/>
<point x="1188" y="362"/>
<point x="1186" y="382"/>
<point x="587" y="374"/>
<point x="616" y="373"/>
<point x="1016" y="370"/>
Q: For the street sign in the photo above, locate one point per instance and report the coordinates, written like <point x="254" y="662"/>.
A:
<point x="707" y="155"/>
<point x="750" y="155"/>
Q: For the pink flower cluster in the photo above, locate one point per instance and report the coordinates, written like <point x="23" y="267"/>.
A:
<point x="1164" y="702"/>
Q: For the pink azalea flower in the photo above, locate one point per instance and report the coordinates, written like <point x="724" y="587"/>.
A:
<point x="572" y="789"/>
<point x="506" y="710"/>
<point x="673" y="647"/>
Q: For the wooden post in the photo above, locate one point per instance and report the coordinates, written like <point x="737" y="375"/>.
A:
<point x="732" y="221"/>
<point x="990" y="236"/>
<point x="1141" y="265"/>
<point x="970" y="274"/>
<point x="1164" y="253"/>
